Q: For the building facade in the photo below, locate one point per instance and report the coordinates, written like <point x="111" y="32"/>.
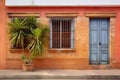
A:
<point x="82" y="35"/>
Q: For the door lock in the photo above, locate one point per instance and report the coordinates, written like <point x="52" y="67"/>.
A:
<point x="99" y="43"/>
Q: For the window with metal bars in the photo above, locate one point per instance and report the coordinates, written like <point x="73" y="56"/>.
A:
<point x="62" y="33"/>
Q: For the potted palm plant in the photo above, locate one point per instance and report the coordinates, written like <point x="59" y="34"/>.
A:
<point x="36" y="35"/>
<point x="37" y="39"/>
<point x="37" y="43"/>
<point x="31" y="23"/>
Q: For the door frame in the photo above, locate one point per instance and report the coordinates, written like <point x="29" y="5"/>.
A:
<point x="99" y="35"/>
<point x="112" y="17"/>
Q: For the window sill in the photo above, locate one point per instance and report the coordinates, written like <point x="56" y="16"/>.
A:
<point x="18" y="51"/>
<point x="61" y="50"/>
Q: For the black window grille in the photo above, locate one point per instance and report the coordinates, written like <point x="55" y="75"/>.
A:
<point x="62" y="33"/>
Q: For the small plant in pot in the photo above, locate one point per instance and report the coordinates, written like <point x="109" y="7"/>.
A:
<point x="27" y="64"/>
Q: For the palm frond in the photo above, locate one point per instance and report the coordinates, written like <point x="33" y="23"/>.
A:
<point x="17" y="28"/>
<point x="38" y="37"/>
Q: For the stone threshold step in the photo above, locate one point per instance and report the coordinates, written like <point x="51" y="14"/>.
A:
<point x="10" y="76"/>
<point x="59" y="79"/>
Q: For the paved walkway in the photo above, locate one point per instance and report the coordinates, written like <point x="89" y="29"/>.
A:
<point x="110" y="74"/>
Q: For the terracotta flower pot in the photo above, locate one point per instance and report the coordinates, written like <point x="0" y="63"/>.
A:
<point x="27" y="67"/>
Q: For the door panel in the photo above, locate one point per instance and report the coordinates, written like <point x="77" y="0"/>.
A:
<point x="94" y="41"/>
<point x="99" y="41"/>
<point x="104" y="39"/>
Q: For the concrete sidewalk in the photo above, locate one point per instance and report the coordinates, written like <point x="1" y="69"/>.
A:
<point x="109" y="74"/>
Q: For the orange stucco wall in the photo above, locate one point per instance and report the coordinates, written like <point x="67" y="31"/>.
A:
<point x="81" y="55"/>
<point x="3" y="47"/>
<point x="117" y="37"/>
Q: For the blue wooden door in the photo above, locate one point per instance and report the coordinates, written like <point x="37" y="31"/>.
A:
<point x="99" y="41"/>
